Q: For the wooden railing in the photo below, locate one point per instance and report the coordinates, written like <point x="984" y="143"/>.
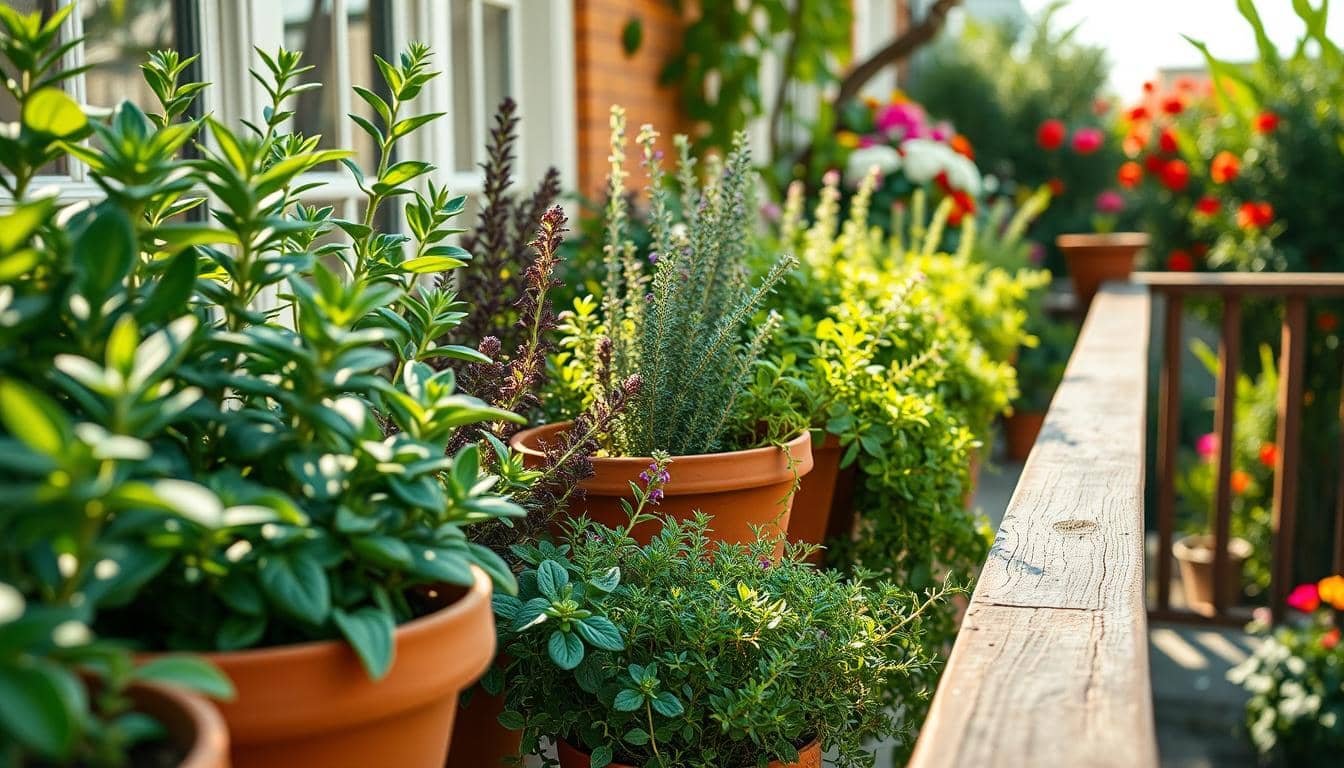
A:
<point x="1230" y="289"/>
<point x="1051" y="665"/>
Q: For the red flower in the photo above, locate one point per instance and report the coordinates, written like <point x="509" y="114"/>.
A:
<point x="1154" y="164"/>
<point x="1252" y="215"/>
<point x="1304" y="598"/>
<point x="1149" y="86"/>
<point x="1208" y="205"/>
<point x="1326" y="321"/>
<point x="1330" y="639"/>
<point x="1051" y="134"/>
<point x="1200" y="249"/>
<point x="1180" y="261"/>
<point x="1056" y="186"/>
<point x="1129" y="175"/>
<point x="1173" y="105"/>
<point x="1240" y="482"/>
<point x="1269" y="453"/>
<point x="1175" y="175"/>
<point x="1138" y="113"/>
<point x="1166" y="141"/>
<point x="1224" y="168"/>
<point x="1266" y="122"/>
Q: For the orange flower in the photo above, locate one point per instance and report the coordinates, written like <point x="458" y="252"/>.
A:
<point x="1327" y="321"/>
<point x="1331" y="589"/>
<point x="1252" y="215"/>
<point x="1175" y="175"/>
<point x="1240" y="481"/>
<point x="1056" y="186"/>
<point x="1330" y="639"/>
<point x="1129" y="175"/>
<point x="962" y="146"/>
<point x="1208" y="205"/>
<point x="870" y="102"/>
<point x="1266" y="122"/>
<point x="1224" y="168"/>
<point x="1269" y="453"/>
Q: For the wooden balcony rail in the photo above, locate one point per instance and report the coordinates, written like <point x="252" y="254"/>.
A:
<point x="1231" y="288"/>
<point x="1051" y="665"/>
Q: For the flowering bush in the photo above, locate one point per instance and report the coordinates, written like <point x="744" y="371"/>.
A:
<point x="1295" y="714"/>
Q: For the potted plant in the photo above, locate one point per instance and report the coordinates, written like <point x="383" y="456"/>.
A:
<point x="271" y="483"/>
<point x="1040" y="369"/>
<point x="1094" y="258"/>
<point x="631" y="655"/>
<point x="684" y="337"/>
<point x="1293" y="680"/>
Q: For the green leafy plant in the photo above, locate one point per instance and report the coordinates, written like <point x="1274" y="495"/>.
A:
<point x="258" y="472"/>
<point x="687" y="653"/>
<point x="678" y="332"/>
<point x="1040" y="368"/>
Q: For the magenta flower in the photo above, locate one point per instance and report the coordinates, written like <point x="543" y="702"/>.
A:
<point x="1305" y="598"/>
<point x="1087" y="140"/>
<point x="903" y="121"/>
<point x="1110" y="201"/>
<point x="942" y="131"/>
<point x="1206" y="446"/>
<point x="869" y="140"/>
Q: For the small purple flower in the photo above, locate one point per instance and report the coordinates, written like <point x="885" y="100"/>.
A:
<point x="658" y="154"/>
<point x="645" y="478"/>
<point x="770" y="211"/>
<point x="656" y="495"/>
<point x="765" y="563"/>
<point x="593" y="536"/>
<point x="653" y="257"/>
<point x="648" y="297"/>
<point x="664" y="476"/>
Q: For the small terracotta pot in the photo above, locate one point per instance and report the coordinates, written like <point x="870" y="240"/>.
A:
<point x="1195" y="555"/>
<point x="313" y="704"/>
<point x="814" y="503"/>
<point x="193" y="724"/>
<point x="1020" y="431"/>
<point x="740" y="489"/>
<point x="479" y="741"/>
<point x="1093" y="259"/>
<point x="808" y="757"/>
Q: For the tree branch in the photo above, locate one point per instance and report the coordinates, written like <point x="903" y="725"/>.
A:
<point x="895" y="51"/>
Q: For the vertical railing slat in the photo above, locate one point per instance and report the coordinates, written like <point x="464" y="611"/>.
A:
<point x="1292" y="355"/>
<point x="1169" y="419"/>
<point x="1224" y="419"/>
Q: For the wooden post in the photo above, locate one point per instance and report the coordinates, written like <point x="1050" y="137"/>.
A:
<point x="1168" y="430"/>
<point x="1288" y="443"/>
<point x="1224" y="419"/>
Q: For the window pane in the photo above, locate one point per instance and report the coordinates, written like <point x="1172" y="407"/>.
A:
<point x="309" y="28"/>
<point x="496" y="45"/>
<point x="464" y="112"/>
<point x="118" y="39"/>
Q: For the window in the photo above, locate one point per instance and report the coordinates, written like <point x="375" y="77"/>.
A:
<point x="479" y="45"/>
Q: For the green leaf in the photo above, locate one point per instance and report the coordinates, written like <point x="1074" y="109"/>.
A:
<point x="105" y="251"/>
<point x="628" y="700"/>
<point x="298" y="586"/>
<point x="551" y="577"/>
<point x="667" y="705"/>
<point x="600" y="632"/>
<point x="34" y="710"/>
<point x="632" y="36"/>
<point x="565" y="649"/>
<point x="190" y="672"/>
<point x="369" y="631"/>
<point x="173" y="290"/>
<point x="425" y="265"/>
<point x="240" y="631"/>
<point x="637" y="736"/>
<point x="403" y="172"/>
<point x="601" y="757"/>
<point x="33" y="419"/>
<point x="53" y="112"/>
<point x="609" y="580"/>
<point x="384" y="551"/>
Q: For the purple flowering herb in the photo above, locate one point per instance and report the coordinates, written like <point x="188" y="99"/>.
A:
<point x="765" y="563"/>
<point x="656" y="495"/>
<point x="653" y="257"/>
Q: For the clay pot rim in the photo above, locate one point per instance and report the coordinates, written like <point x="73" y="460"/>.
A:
<point x="1198" y="548"/>
<point x="750" y="468"/>
<point x="455" y="611"/>
<point x="814" y="743"/>
<point x="1103" y="239"/>
<point x="210" y="737"/>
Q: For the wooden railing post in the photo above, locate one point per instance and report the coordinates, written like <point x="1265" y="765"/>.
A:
<point x="1169" y="419"/>
<point x="1287" y="442"/>
<point x="1224" y="426"/>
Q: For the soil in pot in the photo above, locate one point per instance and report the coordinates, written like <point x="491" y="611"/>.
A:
<point x="479" y="741"/>
<point x="313" y="704"/>
<point x="1020" y="431"/>
<point x="1195" y="556"/>
<point x="1093" y="259"/>
<point x="808" y="757"/>
<point x="197" y="737"/>
<point x="740" y="489"/>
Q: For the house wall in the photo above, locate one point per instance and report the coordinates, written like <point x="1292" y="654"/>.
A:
<point x="604" y="75"/>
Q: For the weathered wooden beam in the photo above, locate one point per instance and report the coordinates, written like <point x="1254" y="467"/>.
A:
<point x="1051" y="665"/>
<point x="1264" y="284"/>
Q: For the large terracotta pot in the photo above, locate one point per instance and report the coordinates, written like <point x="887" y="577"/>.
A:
<point x="479" y="741"/>
<point x="808" y="757"/>
<point x="1093" y="259"/>
<point x="1195" y="556"/>
<point x="813" y="504"/>
<point x="194" y="725"/>
<point x="740" y="489"/>
<point x="1020" y="431"/>
<point x="313" y="704"/>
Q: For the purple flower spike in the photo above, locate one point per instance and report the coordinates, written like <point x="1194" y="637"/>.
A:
<point x="656" y="495"/>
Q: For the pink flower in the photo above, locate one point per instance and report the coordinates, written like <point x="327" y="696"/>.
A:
<point x="1087" y="140"/>
<point x="903" y="121"/>
<point x="1110" y="201"/>
<point x="1304" y="598"/>
<point x="1207" y="446"/>
<point x="943" y="131"/>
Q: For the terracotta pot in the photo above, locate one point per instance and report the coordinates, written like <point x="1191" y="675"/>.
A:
<point x="194" y="725"/>
<point x="739" y="489"/>
<point x="479" y="741"/>
<point x="1093" y="259"/>
<point x="313" y="704"/>
<point x="814" y="503"/>
<point x="1020" y="431"/>
<point x="808" y="757"/>
<point x="1195" y="555"/>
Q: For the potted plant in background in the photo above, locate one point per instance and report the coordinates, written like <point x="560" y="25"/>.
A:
<point x="1098" y="257"/>
<point x="634" y="655"/>
<point x="274" y="492"/>
<point x="1296" y="701"/>
<point x="677" y="336"/>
